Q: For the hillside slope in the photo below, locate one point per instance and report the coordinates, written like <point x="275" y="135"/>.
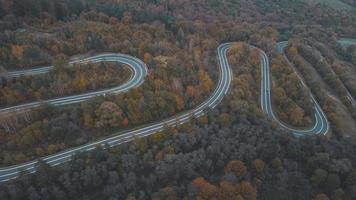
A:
<point x="337" y="4"/>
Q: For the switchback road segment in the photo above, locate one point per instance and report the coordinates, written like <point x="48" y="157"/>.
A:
<point x="140" y="70"/>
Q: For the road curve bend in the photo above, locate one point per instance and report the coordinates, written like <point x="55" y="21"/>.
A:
<point x="222" y="88"/>
<point x="138" y="68"/>
<point x="225" y="76"/>
<point x="321" y="125"/>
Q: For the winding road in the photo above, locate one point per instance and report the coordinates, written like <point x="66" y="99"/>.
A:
<point x="138" y="68"/>
<point x="220" y="91"/>
<point x="345" y="42"/>
<point x="321" y="125"/>
<point x="139" y="71"/>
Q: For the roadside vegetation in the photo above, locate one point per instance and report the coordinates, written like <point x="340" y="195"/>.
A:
<point x="337" y="4"/>
<point x="233" y="152"/>
<point x="222" y="155"/>
<point x="326" y="92"/>
<point x="62" y="81"/>
<point x="291" y="100"/>
<point x="178" y="80"/>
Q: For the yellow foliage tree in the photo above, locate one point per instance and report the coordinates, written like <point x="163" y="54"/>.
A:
<point x="237" y="167"/>
<point x="205" y="81"/>
<point x="17" y="51"/>
<point x="179" y="102"/>
<point x="206" y="190"/>
<point x="258" y="165"/>
<point x="147" y="57"/>
<point x="190" y="91"/>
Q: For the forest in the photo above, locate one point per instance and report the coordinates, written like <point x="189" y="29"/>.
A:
<point x="220" y="156"/>
<point x="232" y="152"/>
<point x="62" y="81"/>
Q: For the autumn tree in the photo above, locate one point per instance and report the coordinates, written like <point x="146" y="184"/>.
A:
<point x="247" y="191"/>
<point x="166" y="193"/>
<point x="227" y="191"/>
<point x="258" y="165"/>
<point x="224" y="119"/>
<point x="127" y="18"/>
<point x="297" y="115"/>
<point x="206" y="190"/>
<point x="109" y="115"/>
<point x="205" y="82"/>
<point x="17" y="51"/>
<point x="236" y="167"/>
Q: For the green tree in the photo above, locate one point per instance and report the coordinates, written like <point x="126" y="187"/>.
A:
<point x="59" y="62"/>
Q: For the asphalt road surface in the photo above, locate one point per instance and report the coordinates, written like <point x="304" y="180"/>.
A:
<point x="321" y="125"/>
<point x="140" y="70"/>
<point x="220" y="91"/>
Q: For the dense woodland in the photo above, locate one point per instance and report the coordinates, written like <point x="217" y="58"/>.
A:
<point x="219" y="156"/>
<point x="291" y="99"/>
<point x="246" y="160"/>
<point x="326" y="86"/>
<point x="178" y="80"/>
<point x="350" y="2"/>
<point x="232" y="152"/>
<point x="63" y="80"/>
